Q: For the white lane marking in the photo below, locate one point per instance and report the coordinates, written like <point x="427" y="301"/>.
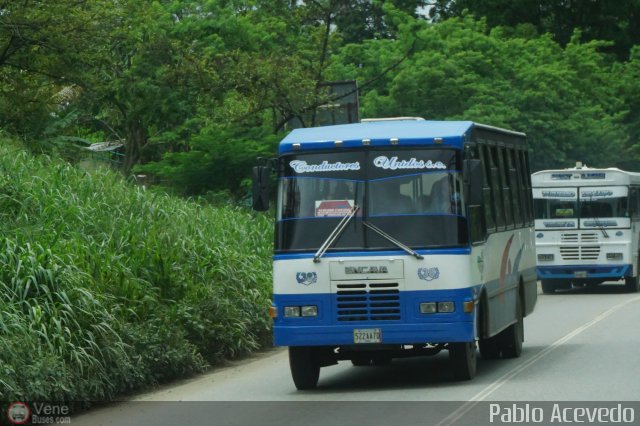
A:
<point x="483" y="394"/>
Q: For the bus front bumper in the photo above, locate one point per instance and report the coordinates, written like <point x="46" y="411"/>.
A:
<point x="340" y="335"/>
<point x="573" y="272"/>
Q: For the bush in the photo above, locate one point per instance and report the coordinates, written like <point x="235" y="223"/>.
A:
<point x="107" y="287"/>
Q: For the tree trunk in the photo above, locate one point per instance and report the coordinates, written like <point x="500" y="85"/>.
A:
<point x="135" y="142"/>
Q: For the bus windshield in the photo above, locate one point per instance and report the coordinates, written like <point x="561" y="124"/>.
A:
<point x="581" y="203"/>
<point x="415" y="196"/>
<point x="603" y="202"/>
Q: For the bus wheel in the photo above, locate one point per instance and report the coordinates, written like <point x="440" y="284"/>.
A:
<point x="464" y="360"/>
<point x="490" y="348"/>
<point x="631" y="284"/>
<point x="513" y="336"/>
<point x="548" y="286"/>
<point x="305" y="367"/>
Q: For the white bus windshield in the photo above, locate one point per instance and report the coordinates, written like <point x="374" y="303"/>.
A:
<point x="581" y="203"/>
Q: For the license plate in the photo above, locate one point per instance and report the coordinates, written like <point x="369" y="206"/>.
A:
<point x="580" y="274"/>
<point x="367" y="335"/>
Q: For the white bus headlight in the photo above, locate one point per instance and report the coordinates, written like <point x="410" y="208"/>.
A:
<point x="292" y="311"/>
<point x="614" y="256"/>
<point x="543" y="257"/>
<point x="309" y="311"/>
<point x="446" y="307"/>
<point x="428" y="308"/>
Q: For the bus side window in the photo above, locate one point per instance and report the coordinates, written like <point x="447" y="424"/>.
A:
<point x="524" y="161"/>
<point x="496" y="192"/>
<point x="504" y="180"/>
<point x="487" y="197"/>
<point x="514" y="185"/>
<point x="633" y="202"/>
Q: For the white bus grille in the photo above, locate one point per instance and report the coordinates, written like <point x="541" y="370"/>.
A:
<point x="574" y="237"/>
<point x="580" y="253"/>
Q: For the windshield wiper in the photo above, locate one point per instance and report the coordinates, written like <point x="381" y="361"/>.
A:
<point x="600" y="227"/>
<point x="335" y="234"/>
<point x="393" y="240"/>
<point x="597" y="223"/>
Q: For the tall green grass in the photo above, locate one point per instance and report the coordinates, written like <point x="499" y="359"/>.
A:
<point x="106" y="287"/>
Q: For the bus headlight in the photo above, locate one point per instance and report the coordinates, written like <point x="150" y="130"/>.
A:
<point x="446" y="307"/>
<point x="544" y="257"/>
<point x="291" y="311"/>
<point x="309" y="311"/>
<point x="614" y="256"/>
<point x="428" y="308"/>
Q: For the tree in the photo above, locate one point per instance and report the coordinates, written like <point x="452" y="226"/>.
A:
<point x="43" y="45"/>
<point x="561" y="97"/>
<point x="625" y="77"/>
<point x="612" y="20"/>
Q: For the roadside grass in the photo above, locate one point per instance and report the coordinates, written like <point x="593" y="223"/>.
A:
<point x="107" y="287"/>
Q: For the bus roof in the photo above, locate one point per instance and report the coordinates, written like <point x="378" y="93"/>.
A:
<point x="407" y="132"/>
<point x="583" y="176"/>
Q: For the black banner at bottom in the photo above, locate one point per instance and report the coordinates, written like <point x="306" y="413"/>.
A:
<point x="316" y="413"/>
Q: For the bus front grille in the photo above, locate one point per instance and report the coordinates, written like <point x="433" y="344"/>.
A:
<point x="367" y="302"/>
<point x="580" y="252"/>
<point x="574" y="237"/>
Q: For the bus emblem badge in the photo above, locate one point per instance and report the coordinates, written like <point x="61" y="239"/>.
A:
<point x="428" y="274"/>
<point x="306" y="278"/>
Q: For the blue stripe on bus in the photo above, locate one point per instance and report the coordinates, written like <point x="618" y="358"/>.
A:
<point x="593" y="271"/>
<point x="293" y="256"/>
<point x="412" y="327"/>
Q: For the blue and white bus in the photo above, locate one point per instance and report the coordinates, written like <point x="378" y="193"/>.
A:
<point x="587" y="227"/>
<point x="400" y="237"/>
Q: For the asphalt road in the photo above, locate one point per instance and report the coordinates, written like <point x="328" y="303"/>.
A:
<point x="581" y="350"/>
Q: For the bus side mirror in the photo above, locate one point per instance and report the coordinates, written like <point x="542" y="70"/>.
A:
<point x="260" y="191"/>
<point x="474" y="181"/>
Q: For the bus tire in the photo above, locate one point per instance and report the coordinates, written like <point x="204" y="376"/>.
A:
<point x="631" y="284"/>
<point x="548" y="286"/>
<point x="490" y="348"/>
<point x="464" y="360"/>
<point x="305" y="367"/>
<point x="513" y="336"/>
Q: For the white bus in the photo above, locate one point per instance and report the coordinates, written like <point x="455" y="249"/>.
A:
<point x="587" y="225"/>
<point x="399" y="238"/>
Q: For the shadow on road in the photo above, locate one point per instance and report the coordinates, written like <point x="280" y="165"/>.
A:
<point x="611" y="287"/>
<point x="429" y="373"/>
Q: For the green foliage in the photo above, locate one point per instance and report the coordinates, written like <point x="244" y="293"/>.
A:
<point x="106" y="287"/>
<point x="626" y="77"/>
<point x="614" y="21"/>
<point x="562" y="98"/>
<point x="219" y="158"/>
<point x="44" y="49"/>
<point x="196" y="89"/>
